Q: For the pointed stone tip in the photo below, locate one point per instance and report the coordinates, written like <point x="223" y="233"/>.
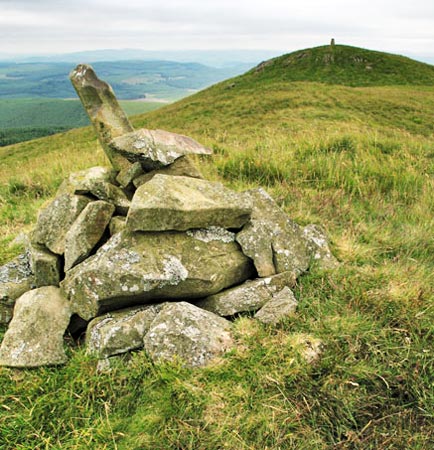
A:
<point x="81" y="71"/>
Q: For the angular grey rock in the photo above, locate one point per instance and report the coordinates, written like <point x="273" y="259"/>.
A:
<point x="117" y="224"/>
<point x="120" y="331"/>
<point x="138" y="268"/>
<point x="182" y="203"/>
<point x="155" y="149"/>
<point x="282" y="305"/>
<point x="186" y="333"/>
<point x="249" y="296"/>
<point x="16" y="278"/>
<point x="86" y="232"/>
<point x="126" y="177"/>
<point x="183" y="166"/>
<point x="35" y="335"/>
<point x="274" y="242"/>
<point x="45" y="265"/>
<point x="98" y="182"/>
<point x="319" y="247"/>
<point x="56" y="219"/>
<point x="107" y="117"/>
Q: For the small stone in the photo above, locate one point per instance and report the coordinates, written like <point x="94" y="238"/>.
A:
<point x="56" y="219"/>
<point x="186" y="333"/>
<point x="319" y="247"/>
<point x="249" y="296"/>
<point x="86" y="232"/>
<point x="182" y="203"/>
<point x="126" y="176"/>
<point x="46" y="266"/>
<point x="117" y="224"/>
<point x="282" y="305"/>
<point x="307" y="346"/>
<point x="35" y="335"/>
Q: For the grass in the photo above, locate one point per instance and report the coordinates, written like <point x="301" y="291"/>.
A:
<point x="352" y="159"/>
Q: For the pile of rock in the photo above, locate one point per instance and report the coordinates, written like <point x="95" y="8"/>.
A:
<point x="149" y="254"/>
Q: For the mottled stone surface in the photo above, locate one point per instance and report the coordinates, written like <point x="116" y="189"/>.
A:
<point x="186" y="333"/>
<point x="155" y="148"/>
<point x="183" y="166"/>
<point x="45" y="265"/>
<point x="35" y="335"/>
<point x="319" y="247"/>
<point x="16" y="278"/>
<point x="86" y="232"/>
<point x="181" y="203"/>
<point x="56" y="219"/>
<point x="120" y="331"/>
<point x="107" y="117"/>
<point x="126" y="177"/>
<point x="249" y="296"/>
<point x="117" y="224"/>
<point x="274" y="242"/>
<point x="282" y="305"/>
<point x="137" y="268"/>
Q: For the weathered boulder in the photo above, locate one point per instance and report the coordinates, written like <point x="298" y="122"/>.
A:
<point x="56" y="219"/>
<point x="45" y="265"/>
<point x="98" y="182"/>
<point x="274" y="242"/>
<point x="182" y="203"/>
<point x="86" y="232"/>
<point x="120" y="331"/>
<point x="16" y="278"/>
<point x="282" y="305"/>
<point x="154" y="149"/>
<point x="184" y="332"/>
<point x="319" y="247"/>
<point x="35" y="335"/>
<point x="249" y="296"/>
<point x="107" y="117"/>
<point x="183" y="166"/>
<point x="137" y="268"/>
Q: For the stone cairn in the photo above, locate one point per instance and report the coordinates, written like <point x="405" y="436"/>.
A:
<point x="147" y="254"/>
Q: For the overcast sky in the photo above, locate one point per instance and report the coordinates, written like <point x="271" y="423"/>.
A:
<point x="61" y="26"/>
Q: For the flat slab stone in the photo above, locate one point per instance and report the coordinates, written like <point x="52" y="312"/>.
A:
<point x="274" y="242"/>
<point x="86" y="232"/>
<point x="138" y="268"/>
<point x="249" y="296"/>
<point x="182" y="203"/>
<point x="282" y="305"/>
<point x="35" y="335"/>
<point x="186" y="333"/>
<point x="45" y="265"/>
<point x="56" y="219"/>
<point x="16" y="278"/>
<point x="155" y="148"/>
<point x="121" y="331"/>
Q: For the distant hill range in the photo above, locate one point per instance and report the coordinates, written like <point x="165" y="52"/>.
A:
<point x="345" y="65"/>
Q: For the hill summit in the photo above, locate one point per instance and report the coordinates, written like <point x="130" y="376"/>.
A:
<point x="345" y="65"/>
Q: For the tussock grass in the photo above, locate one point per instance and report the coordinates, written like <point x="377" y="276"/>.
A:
<point x="353" y="160"/>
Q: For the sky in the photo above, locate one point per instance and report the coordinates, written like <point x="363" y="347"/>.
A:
<point x="35" y="27"/>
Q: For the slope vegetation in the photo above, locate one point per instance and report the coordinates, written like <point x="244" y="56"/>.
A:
<point x="360" y="161"/>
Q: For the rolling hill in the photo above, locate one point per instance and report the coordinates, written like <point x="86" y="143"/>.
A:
<point x="336" y="146"/>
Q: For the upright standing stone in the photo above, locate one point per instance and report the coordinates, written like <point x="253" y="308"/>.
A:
<point x="107" y="117"/>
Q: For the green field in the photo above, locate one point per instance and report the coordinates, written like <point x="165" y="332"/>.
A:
<point x="355" y="156"/>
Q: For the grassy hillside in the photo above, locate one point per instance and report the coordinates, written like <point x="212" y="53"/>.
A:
<point x="360" y="161"/>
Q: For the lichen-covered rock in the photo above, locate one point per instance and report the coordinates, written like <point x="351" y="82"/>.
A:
<point x="183" y="167"/>
<point x="45" y="265"/>
<point x="16" y="278"/>
<point x="98" y="182"/>
<point x="282" y="305"/>
<point x="186" y="333"/>
<point x="86" y="232"/>
<point x="155" y="148"/>
<point x="181" y="203"/>
<point x="56" y="219"/>
<point x="117" y="224"/>
<point x="137" y="268"/>
<point x="35" y="335"/>
<point x="120" y="331"/>
<point x="126" y="176"/>
<point x="249" y="296"/>
<point x="274" y="242"/>
<point x="319" y="247"/>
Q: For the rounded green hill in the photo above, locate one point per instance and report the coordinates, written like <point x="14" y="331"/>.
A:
<point x="345" y="65"/>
